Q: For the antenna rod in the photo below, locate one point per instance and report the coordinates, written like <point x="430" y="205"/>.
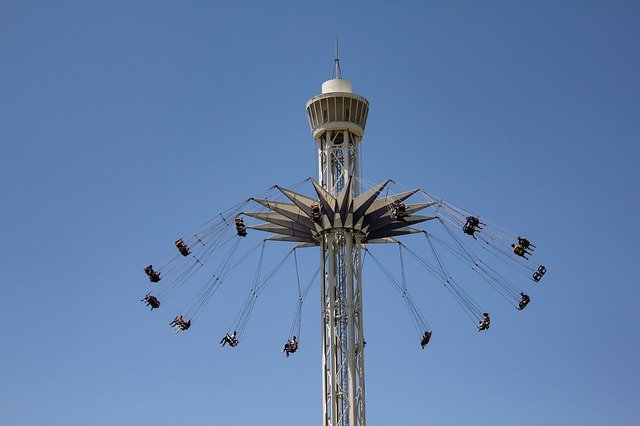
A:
<point x="337" y="73"/>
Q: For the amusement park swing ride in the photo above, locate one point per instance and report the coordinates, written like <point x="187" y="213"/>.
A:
<point x="342" y="219"/>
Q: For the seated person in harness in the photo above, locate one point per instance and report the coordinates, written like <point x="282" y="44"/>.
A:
<point x="316" y="215"/>
<point x="291" y="346"/>
<point x="485" y="322"/>
<point x="472" y="225"/>
<point x="398" y="210"/>
<point x="425" y="339"/>
<point x="182" y="247"/>
<point x="519" y="250"/>
<point x="154" y="276"/>
<point x="524" y="301"/>
<point x="151" y="301"/>
<point x="526" y="244"/>
<point x="179" y="324"/>
<point x="241" y="229"/>
<point x="177" y="321"/>
<point x="230" y="339"/>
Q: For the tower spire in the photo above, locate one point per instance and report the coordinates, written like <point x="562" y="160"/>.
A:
<point x="337" y="74"/>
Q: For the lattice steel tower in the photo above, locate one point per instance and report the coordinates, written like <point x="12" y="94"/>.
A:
<point x="337" y="118"/>
<point x="340" y="221"/>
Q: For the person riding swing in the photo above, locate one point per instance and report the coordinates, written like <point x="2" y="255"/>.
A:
<point x="398" y="210"/>
<point x="241" y="229"/>
<point x="151" y="301"/>
<point x="182" y="247"/>
<point x="230" y="339"/>
<point x="525" y="243"/>
<point x="291" y="346"/>
<point x="472" y="225"/>
<point x="485" y="322"/>
<point x="524" y="301"/>
<point x="425" y="339"/>
<point x="316" y="215"/>
<point x="154" y="276"/>
<point x="519" y="250"/>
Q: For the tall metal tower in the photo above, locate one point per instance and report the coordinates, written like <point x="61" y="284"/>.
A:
<point x="340" y="221"/>
<point x="337" y="118"/>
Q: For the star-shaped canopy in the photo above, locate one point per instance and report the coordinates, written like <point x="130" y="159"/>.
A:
<point x="306" y="219"/>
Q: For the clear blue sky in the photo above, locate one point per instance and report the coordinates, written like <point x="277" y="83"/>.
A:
<point x="124" y="125"/>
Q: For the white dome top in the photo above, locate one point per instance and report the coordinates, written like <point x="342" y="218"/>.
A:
<point x="336" y="85"/>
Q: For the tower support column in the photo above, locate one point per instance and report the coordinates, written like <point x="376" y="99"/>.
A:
<point x="342" y="342"/>
<point x="337" y="118"/>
